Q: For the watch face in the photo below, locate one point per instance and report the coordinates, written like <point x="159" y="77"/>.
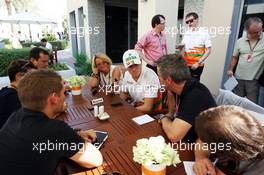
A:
<point x="159" y="116"/>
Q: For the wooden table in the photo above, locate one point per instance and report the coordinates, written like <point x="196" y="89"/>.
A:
<point x="123" y="133"/>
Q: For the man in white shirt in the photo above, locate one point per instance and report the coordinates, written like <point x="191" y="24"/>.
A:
<point x="140" y="84"/>
<point x="197" y="45"/>
<point x="46" y="44"/>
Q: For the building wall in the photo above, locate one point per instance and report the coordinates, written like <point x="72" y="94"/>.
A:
<point x="208" y="10"/>
<point x="73" y="6"/>
<point x="196" y="6"/>
<point x="94" y="24"/>
<point x="214" y="66"/>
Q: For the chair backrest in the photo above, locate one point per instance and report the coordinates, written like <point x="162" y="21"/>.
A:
<point x="226" y="97"/>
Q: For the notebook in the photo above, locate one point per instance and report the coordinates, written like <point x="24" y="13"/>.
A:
<point x="101" y="137"/>
<point x="143" y="119"/>
<point x="188" y="167"/>
<point x="231" y="83"/>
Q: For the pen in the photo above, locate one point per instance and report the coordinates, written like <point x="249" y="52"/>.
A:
<point x="214" y="163"/>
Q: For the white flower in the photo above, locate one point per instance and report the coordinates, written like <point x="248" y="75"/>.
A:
<point x="76" y="81"/>
<point x="155" y="151"/>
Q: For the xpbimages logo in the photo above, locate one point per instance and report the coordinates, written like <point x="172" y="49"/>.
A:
<point x="57" y="146"/>
<point x="147" y="89"/>
<point x="212" y="147"/>
<point x="84" y="31"/>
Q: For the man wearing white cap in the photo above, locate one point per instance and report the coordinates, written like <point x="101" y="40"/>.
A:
<point x="140" y="83"/>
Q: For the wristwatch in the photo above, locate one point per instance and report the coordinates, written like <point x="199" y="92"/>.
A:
<point x="162" y="117"/>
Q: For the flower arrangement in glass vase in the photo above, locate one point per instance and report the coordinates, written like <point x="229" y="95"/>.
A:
<point x="154" y="155"/>
<point x="75" y="83"/>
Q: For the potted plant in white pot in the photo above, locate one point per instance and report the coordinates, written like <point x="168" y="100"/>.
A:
<point x="154" y="155"/>
<point x="76" y="82"/>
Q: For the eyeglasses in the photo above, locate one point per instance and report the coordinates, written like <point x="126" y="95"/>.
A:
<point x="189" y="21"/>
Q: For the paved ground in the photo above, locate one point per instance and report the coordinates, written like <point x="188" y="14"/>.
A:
<point x="66" y="56"/>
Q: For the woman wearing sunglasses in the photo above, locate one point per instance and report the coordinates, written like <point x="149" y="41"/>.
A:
<point x="104" y="73"/>
<point x="239" y="140"/>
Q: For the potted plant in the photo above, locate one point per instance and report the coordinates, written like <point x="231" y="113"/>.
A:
<point x="154" y="155"/>
<point x="76" y="82"/>
<point x="82" y="64"/>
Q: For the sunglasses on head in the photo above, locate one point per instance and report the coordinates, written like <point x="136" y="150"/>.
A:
<point x="190" y="21"/>
<point x="27" y="66"/>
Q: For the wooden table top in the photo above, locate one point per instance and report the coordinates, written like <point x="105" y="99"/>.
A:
<point x="123" y="134"/>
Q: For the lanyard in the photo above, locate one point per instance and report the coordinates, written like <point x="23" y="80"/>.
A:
<point x="252" y="49"/>
<point x="177" y="104"/>
<point x="103" y="78"/>
<point x="160" y="41"/>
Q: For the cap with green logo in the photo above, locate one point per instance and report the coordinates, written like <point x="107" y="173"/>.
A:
<point x="131" y="57"/>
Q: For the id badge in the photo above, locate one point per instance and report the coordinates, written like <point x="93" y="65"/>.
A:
<point x="249" y="58"/>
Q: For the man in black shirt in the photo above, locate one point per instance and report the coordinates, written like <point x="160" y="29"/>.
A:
<point x="31" y="141"/>
<point x="9" y="101"/>
<point x="187" y="98"/>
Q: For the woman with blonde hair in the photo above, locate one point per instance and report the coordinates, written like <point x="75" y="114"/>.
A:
<point x="104" y="73"/>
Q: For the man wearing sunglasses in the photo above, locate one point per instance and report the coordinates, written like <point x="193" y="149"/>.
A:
<point x="153" y="43"/>
<point x="196" y="44"/>
<point x="248" y="56"/>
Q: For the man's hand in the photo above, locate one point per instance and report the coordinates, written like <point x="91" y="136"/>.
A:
<point x="88" y="136"/>
<point x="195" y="66"/>
<point x="230" y="73"/>
<point x="204" y="166"/>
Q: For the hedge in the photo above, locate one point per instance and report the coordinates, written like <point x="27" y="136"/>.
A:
<point x="8" y="55"/>
<point x="61" y="45"/>
<point x="59" y="66"/>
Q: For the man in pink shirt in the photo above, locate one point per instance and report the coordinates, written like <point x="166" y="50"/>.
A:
<point x="153" y="43"/>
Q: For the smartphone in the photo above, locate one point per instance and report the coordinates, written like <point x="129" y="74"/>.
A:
<point x="179" y="46"/>
<point x="101" y="136"/>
